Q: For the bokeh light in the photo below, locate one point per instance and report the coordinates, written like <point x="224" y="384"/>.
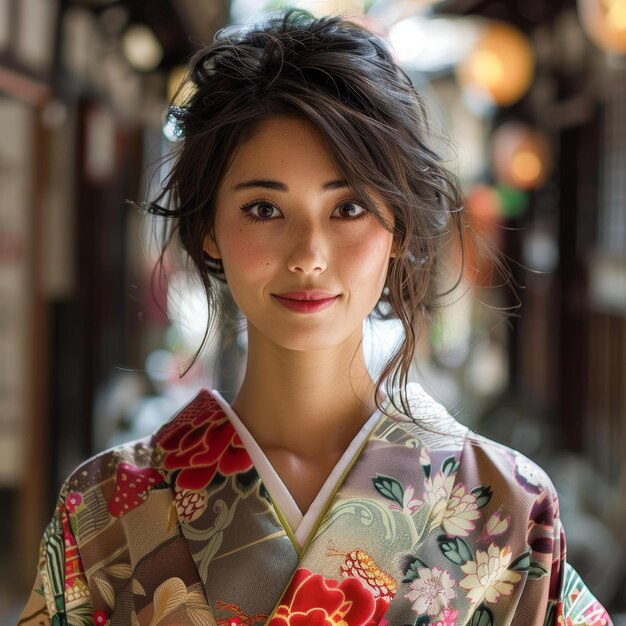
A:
<point x="141" y="47"/>
<point x="605" y="23"/>
<point x="521" y="156"/>
<point x="501" y="64"/>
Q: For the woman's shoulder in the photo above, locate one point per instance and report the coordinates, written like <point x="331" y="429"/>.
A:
<point x="144" y="456"/>
<point x="511" y="467"/>
<point x="478" y="458"/>
<point x="120" y="477"/>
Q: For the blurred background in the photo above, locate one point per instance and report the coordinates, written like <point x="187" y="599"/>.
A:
<point x="533" y="95"/>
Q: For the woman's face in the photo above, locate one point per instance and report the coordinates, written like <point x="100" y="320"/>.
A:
<point x="287" y="227"/>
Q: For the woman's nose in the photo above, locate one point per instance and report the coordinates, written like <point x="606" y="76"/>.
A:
<point x="308" y="252"/>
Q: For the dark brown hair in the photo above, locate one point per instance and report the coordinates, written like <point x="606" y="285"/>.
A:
<point x="343" y="79"/>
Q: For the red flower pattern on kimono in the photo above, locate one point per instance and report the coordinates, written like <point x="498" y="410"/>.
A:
<point x="99" y="618"/>
<point x="312" y="600"/>
<point x="73" y="502"/>
<point x="201" y="442"/>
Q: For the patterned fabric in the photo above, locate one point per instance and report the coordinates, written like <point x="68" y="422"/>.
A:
<point x="431" y="525"/>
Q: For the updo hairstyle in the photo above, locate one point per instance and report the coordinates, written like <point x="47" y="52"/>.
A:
<point x="342" y="79"/>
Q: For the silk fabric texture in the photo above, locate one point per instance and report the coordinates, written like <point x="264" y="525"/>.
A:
<point x="427" y="524"/>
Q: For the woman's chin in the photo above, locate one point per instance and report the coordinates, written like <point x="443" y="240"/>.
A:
<point x="302" y="339"/>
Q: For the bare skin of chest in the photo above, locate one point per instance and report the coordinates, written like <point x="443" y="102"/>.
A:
<point x="303" y="477"/>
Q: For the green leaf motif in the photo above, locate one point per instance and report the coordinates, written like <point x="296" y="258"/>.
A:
<point x="389" y="488"/>
<point x="59" y="619"/>
<point x="482" y="617"/>
<point x="74" y="525"/>
<point x="246" y="483"/>
<point x="483" y="495"/>
<point x="450" y="466"/>
<point x="521" y="563"/>
<point x="550" y="614"/>
<point x="59" y="602"/>
<point x="422" y="620"/>
<point x="411" y="572"/>
<point x="426" y="470"/>
<point x="264" y="493"/>
<point x="455" y="549"/>
<point x="536" y="571"/>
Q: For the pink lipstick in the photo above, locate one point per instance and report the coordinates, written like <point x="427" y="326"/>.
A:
<point x="306" y="301"/>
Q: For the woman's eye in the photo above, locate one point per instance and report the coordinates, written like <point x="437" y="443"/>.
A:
<point x="260" y="211"/>
<point x="351" y="210"/>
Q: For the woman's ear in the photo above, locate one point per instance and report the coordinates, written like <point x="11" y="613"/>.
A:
<point x="209" y="245"/>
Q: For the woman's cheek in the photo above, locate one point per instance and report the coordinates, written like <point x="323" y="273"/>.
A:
<point x="372" y="252"/>
<point x="244" y="250"/>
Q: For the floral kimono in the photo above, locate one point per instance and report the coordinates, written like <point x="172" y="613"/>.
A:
<point x="421" y="523"/>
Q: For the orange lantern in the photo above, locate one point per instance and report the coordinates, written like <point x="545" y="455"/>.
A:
<point x="501" y="64"/>
<point x="520" y="156"/>
<point x="605" y="23"/>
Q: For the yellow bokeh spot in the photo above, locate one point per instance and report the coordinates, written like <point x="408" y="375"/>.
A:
<point x="616" y="15"/>
<point x="501" y="63"/>
<point x="488" y="68"/>
<point x="526" y="167"/>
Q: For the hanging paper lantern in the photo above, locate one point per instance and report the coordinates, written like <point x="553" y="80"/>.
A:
<point x="605" y="23"/>
<point x="501" y="64"/>
<point x="520" y="156"/>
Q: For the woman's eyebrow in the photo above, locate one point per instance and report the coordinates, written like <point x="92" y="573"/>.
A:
<point x="331" y="185"/>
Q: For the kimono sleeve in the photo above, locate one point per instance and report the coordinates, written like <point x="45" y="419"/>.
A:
<point x="60" y="594"/>
<point x="537" y="586"/>
<point x="574" y="602"/>
<point x="553" y="581"/>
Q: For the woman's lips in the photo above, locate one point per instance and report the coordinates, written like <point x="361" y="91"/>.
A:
<point x="307" y="305"/>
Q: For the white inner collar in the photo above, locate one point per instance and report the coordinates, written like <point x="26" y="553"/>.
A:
<point x="300" y="525"/>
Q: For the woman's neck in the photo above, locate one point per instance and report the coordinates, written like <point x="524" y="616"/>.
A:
<point x="310" y="403"/>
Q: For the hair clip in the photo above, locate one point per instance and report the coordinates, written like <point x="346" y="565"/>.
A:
<point x="214" y="266"/>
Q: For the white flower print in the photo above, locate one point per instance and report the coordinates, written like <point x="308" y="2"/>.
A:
<point x="488" y="577"/>
<point x="437" y="488"/>
<point x="453" y="507"/>
<point x="431" y="592"/>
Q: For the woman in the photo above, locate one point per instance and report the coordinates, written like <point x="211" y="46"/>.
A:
<point x="305" y="183"/>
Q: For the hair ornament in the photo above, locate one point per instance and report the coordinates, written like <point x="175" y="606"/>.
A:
<point x="214" y="266"/>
